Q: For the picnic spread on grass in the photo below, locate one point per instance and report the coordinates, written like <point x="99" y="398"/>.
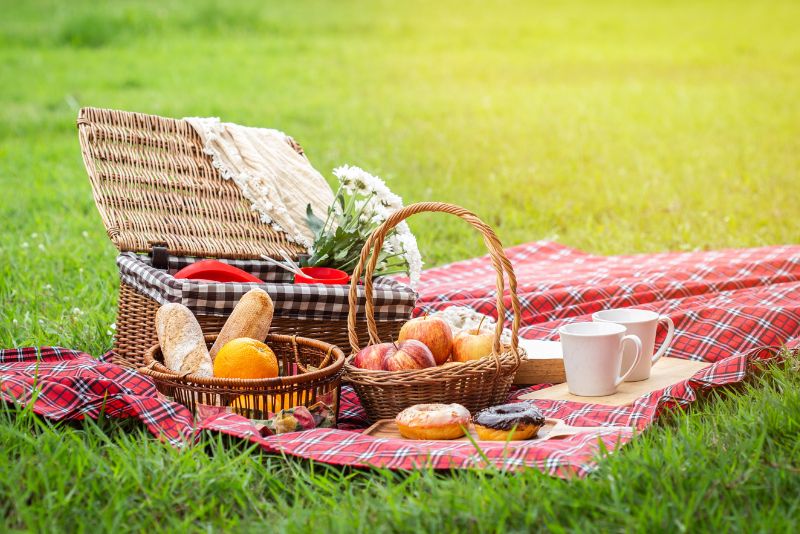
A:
<point x="256" y="302"/>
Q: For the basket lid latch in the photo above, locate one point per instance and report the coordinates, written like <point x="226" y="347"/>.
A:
<point x="159" y="256"/>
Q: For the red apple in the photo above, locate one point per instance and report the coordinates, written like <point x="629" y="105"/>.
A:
<point x="433" y="332"/>
<point x="411" y="354"/>
<point x="472" y="345"/>
<point x="371" y="357"/>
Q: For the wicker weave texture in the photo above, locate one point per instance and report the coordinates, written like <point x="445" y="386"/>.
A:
<point x="153" y="184"/>
<point x="309" y="371"/>
<point x="136" y="329"/>
<point x="475" y="384"/>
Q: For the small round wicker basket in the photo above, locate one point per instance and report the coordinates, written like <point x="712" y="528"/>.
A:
<point x="475" y="384"/>
<point x="310" y="371"/>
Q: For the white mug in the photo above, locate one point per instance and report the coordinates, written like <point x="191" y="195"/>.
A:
<point x="643" y="324"/>
<point x="593" y="357"/>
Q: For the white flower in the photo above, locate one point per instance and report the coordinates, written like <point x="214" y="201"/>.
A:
<point x="391" y="201"/>
<point x="379" y="211"/>
<point x="47" y="287"/>
<point x="361" y="185"/>
<point x="113" y="326"/>
<point x="356" y="179"/>
<point x="24" y="244"/>
<point x="34" y="235"/>
<point x="85" y="233"/>
<point x="41" y="247"/>
<point x="370" y="200"/>
<point x="386" y="198"/>
<point x="408" y="243"/>
<point x="77" y="311"/>
<point x="345" y="181"/>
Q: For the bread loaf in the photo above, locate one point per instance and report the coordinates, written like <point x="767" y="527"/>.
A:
<point x="181" y="340"/>
<point x="251" y="318"/>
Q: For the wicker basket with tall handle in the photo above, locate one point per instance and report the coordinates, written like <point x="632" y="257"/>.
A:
<point x="475" y="384"/>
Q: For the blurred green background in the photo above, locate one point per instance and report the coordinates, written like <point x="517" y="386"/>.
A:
<point x="615" y="127"/>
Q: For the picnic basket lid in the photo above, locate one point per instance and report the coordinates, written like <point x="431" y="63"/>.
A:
<point x="153" y="185"/>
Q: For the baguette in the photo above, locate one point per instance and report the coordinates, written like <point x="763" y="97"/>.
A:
<point x="181" y="340"/>
<point x="251" y="318"/>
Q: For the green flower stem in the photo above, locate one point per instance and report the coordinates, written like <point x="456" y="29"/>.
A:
<point x="354" y="222"/>
<point x="339" y="242"/>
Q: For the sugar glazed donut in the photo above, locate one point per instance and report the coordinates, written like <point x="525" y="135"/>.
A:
<point x="433" y="421"/>
<point x="515" y="421"/>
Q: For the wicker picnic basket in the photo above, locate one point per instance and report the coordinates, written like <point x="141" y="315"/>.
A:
<point x="310" y="371"/>
<point x="164" y="204"/>
<point x="475" y="384"/>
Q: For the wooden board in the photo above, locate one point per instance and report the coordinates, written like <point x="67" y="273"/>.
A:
<point x="665" y="372"/>
<point x="542" y="363"/>
<point x="552" y="429"/>
<point x="540" y="371"/>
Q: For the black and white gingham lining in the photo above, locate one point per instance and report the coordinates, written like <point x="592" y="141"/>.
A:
<point x="393" y="300"/>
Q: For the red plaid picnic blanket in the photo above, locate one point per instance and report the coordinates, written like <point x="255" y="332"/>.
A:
<point x="726" y="305"/>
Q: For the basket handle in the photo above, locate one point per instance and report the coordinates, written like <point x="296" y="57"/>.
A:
<point x="499" y="259"/>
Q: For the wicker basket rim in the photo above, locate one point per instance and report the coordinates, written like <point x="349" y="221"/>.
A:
<point x="436" y="373"/>
<point x="331" y="369"/>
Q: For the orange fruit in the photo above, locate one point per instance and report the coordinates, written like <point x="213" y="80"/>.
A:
<point x="256" y="402"/>
<point x="245" y="358"/>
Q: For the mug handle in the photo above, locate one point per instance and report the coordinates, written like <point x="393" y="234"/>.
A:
<point x="667" y="340"/>
<point x="638" y="343"/>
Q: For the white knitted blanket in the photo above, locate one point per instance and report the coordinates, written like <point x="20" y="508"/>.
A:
<point x="278" y="181"/>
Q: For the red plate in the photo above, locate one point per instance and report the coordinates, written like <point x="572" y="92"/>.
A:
<point x="216" y="271"/>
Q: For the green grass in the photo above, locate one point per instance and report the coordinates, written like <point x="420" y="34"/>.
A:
<point x="616" y="127"/>
<point x="732" y="464"/>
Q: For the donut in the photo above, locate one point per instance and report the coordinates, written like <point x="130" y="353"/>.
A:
<point x="515" y="421"/>
<point x="433" y="421"/>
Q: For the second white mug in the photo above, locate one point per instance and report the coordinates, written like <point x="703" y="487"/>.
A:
<point x="643" y="324"/>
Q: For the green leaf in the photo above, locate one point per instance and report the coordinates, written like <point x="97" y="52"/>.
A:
<point x="342" y="254"/>
<point x="314" y="223"/>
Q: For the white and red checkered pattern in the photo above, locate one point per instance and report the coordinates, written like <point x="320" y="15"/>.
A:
<point x="726" y="306"/>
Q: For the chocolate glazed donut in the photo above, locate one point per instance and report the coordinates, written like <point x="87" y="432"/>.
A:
<point x="514" y="421"/>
